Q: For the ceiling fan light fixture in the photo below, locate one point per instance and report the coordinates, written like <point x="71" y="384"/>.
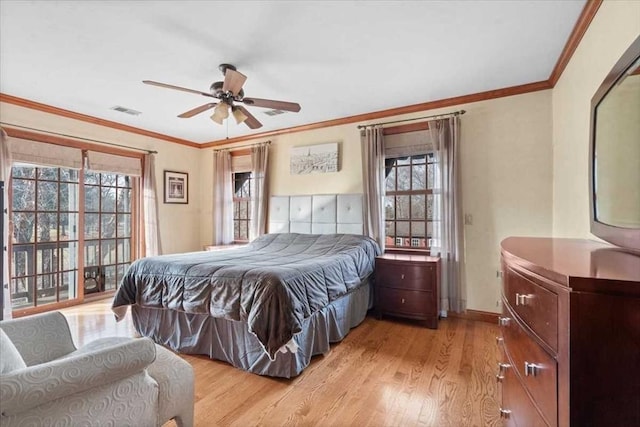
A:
<point x="220" y="113"/>
<point x="238" y="115"/>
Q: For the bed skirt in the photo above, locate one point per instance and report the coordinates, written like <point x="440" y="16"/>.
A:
<point x="231" y="341"/>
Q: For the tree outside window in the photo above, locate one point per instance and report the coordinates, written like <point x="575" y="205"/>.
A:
<point x="242" y="182"/>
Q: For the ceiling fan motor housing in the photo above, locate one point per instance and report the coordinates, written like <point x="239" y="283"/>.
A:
<point x="216" y="90"/>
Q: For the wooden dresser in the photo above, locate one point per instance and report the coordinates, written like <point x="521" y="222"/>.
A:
<point x="407" y="286"/>
<point x="570" y="334"/>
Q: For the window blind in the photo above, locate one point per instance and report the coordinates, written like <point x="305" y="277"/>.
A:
<point x="241" y="163"/>
<point x="104" y="162"/>
<point x="407" y="144"/>
<point x="42" y="153"/>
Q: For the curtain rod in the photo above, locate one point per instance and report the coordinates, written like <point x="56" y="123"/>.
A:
<point x="78" y="137"/>
<point x="434" y="117"/>
<point x="243" y="146"/>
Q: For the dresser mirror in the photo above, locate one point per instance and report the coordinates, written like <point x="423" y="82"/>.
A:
<point x="615" y="154"/>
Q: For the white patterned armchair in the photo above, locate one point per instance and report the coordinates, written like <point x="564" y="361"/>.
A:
<point x="45" y="380"/>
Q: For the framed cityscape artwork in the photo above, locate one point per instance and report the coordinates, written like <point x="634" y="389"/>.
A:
<point x="320" y="158"/>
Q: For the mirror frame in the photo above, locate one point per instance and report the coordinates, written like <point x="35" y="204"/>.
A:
<point x="628" y="238"/>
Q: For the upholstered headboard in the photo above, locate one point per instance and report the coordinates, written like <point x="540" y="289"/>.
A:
<point x="316" y="214"/>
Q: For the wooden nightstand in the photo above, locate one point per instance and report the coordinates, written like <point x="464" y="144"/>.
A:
<point x="408" y="286"/>
<point x="223" y="247"/>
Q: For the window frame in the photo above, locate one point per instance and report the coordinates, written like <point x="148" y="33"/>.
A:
<point x="237" y="201"/>
<point x="392" y="241"/>
<point x="136" y="187"/>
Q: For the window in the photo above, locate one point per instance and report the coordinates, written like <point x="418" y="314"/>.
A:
<point x="45" y="238"/>
<point x="409" y="201"/>
<point x="242" y="182"/>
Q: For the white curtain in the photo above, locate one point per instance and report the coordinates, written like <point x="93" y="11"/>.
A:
<point x="150" y="207"/>
<point x="259" y="195"/>
<point x="448" y="228"/>
<point x="222" y="198"/>
<point x="5" y="174"/>
<point x="372" y="142"/>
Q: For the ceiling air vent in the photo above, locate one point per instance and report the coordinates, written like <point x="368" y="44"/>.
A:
<point x="126" y="110"/>
<point x="274" y="112"/>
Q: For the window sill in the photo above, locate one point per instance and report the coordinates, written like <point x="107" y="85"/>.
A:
<point x="408" y="251"/>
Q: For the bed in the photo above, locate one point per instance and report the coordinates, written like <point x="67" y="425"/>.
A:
<point x="268" y="307"/>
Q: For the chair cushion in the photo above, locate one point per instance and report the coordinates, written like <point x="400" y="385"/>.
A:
<point x="10" y="359"/>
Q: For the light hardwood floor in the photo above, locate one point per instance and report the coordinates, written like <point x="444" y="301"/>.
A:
<point x="384" y="373"/>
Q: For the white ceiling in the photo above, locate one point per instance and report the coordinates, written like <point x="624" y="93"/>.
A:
<point x="335" y="58"/>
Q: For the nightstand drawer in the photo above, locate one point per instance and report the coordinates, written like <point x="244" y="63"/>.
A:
<point x="418" y="277"/>
<point x="406" y="303"/>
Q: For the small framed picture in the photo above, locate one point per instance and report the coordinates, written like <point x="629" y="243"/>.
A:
<point x="176" y="187"/>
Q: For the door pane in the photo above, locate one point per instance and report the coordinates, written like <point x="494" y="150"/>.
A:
<point x="91" y="198"/>
<point x="69" y="197"/>
<point x="68" y="226"/>
<point x="91" y="226"/>
<point x="91" y="253"/>
<point x="24" y="227"/>
<point x="124" y="225"/>
<point x="47" y="227"/>
<point x="24" y="195"/>
<point x="107" y="252"/>
<point x="108" y="199"/>
<point x="108" y="222"/>
<point x="47" y="196"/>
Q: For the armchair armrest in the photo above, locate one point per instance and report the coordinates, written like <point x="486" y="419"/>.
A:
<point x="27" y="388"/>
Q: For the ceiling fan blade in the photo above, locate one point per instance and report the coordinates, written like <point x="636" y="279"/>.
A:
<point x="233" y="81"/>
<point x="183" y="89"/>
<point x="251" y="121"/>
<point x="270" y="103"/>
<point x="197" y="110"/>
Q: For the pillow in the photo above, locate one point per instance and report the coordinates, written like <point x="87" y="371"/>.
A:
<point x="10" y="359"/>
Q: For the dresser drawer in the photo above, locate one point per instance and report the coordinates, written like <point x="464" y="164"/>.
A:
<point x="419" y="305"/>
<point x="535" y="367"/>
<point x="414" y="276"/>
<point x="517" y="410"/>
<point x="537" y="306"/>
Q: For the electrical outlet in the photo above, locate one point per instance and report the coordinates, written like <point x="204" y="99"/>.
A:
<point x="468" y="219"/>
<point x="499" y="274"/>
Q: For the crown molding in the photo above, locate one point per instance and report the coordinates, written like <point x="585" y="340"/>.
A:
<point x="21" y="102"/>
<point x="431" y="105"/>
<point x="582" y="24"/>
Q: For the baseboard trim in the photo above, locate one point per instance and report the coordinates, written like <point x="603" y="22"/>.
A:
<point x="477" y="315"/>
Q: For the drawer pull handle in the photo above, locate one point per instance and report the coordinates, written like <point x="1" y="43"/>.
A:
<point x="505" y="413"/>
<point x="402" y="301"/>
<point x="531" y="369"/>
<point x="402" y="276"/>
<point x="499" y="340"/>
<point x="499" y="378"/>
<point x="521" y="299"/>
<point x="503" y="321"/>
<point x="503" y="367"/>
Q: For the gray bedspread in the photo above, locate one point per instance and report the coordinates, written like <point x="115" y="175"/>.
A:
<point x="273" y="283"/>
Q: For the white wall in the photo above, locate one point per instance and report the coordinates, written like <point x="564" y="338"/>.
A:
<point x="611" y="32"/>
<point x="506" y="178"/>
<point x="177" y="230"/>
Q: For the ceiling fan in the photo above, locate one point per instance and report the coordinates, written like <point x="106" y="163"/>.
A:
<point x="229" y="92"/>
